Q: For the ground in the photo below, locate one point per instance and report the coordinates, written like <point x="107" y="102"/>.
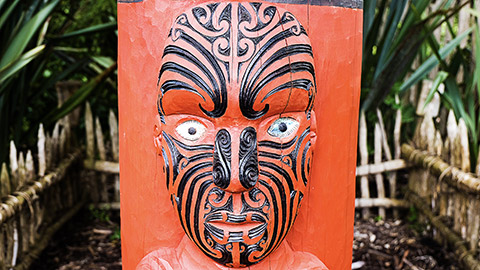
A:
<point x="91" y="240"/>
<point x="397" y="245"/>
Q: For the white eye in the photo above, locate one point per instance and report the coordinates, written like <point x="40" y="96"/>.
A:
<point x="191" y="130"/>
<point x="283" y="127"/>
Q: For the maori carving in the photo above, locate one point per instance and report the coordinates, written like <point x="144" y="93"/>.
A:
<point x="236" y="147"/>
<point x="257" y="47"/>
<point x="222" y="159"/>
<point x="248" y="173"/>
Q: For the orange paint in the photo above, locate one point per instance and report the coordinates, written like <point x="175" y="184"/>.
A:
<point x="324" y="226"/>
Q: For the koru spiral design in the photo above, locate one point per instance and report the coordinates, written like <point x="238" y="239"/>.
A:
<point x="243" y="55"/>
<point x="248" y="44"/>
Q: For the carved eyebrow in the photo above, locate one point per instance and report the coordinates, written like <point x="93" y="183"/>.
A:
<point x="304" y="84"/>
<point x="251" y="85"/>
<point x="211" y="69"/>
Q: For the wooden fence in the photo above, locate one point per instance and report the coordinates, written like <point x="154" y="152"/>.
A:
<point x="102" y="161"/>
<point x="39" y="193"/>
<point x="443" y="189"/>
<point x="377" y="178"/>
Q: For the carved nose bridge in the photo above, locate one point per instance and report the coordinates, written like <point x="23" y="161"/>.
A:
<point x="222" y="159"/>
<point x="244" y="152"/>
<point x="247" y="158"/>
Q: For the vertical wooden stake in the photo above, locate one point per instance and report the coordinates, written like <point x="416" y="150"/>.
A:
<point x="13" y="166"/>
<point x="21" y="170"/>
<point x="55" y="142"/>
<point x="362" y="143"/>
<point x="42" y="164"/>
<point x="5" y="187"/>
<point x="462" y="144"/>
<point x="451" y="133"/>
<point x="89" y="132"/>
<point x="62" y="143"/>
<point x="383" y="136"/>
<point x="112" y="121"/>
<point x="48" y="151"/>
<point x="473" y="221"/>
<point x="29" y="166"/>
<point x="377" y="160"/>
<point x="99" y="137"/>
<point x="67" y="129"/>
<point x="103" y="156"/>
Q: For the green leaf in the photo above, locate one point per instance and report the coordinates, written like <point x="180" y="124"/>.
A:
<point x="78" y="97"/>
<point x="432" y="62"/>
<point x="477" y="60"/>
<point x="21" y="40"/>
<point x="441" y="77"/>
<point x="18" y="64"/>
<point x="7" y="12"/>
<point x="103" y="61"/>
<point x="395" y="14"/>
<point x="89" y="30"/>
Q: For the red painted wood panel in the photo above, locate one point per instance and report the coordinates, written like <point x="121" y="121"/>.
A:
<point x="324" y="226"/>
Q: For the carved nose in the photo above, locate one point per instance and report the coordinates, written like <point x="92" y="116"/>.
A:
<point x="247" y="161"/>
<point x="247" y="158"/>
<point x="222" y="159"/>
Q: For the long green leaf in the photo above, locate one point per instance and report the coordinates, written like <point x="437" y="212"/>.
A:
<point x="7" y="12"/>
<point x="78" y="97"/>
<point x="18" y="64"/>
<point x="441" y="77"/>
<point x="21" y="40"/>
<point x="369" y="16"/>
<point x="432" y="61"/>
<point x="395" y="14"/>
<point x="89" y="30"/>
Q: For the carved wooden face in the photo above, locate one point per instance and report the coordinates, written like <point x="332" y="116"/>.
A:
<point x="236" y="90"/>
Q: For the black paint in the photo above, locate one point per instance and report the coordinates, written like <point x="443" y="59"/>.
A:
<point x="222" y="158"/>
<point x="248" y="160"/>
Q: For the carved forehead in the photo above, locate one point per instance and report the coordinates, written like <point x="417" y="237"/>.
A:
<point x="249" y="55"/>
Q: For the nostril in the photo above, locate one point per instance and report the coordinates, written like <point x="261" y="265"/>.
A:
<point x="222" y="157"/>
<point x="248" y="160"/>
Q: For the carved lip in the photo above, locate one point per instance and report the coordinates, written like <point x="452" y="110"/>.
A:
<point x="235" y="227"/>
<point x="229" y="222"/>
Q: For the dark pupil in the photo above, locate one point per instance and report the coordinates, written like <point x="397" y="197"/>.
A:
<point x="192" y="131"/>
<point x="282" y="127"/>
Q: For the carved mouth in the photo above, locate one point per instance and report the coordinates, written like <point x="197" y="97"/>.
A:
<point x="236" y="226"/>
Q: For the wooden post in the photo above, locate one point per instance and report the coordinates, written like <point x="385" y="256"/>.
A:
<point x="103" y="156"/>
<point x="113" y="124"/>
<point x="42" y="164"/>
<point x="21" y="170"/>
<point x="362" y="145"/>
<point x="473" y="221"/>
<point x="5" y="187"/>
<point x="90" y="135"/>
<point x="379" y="176"/>
<point x="89" y="132"/>
<point x="29" y="167"/>
<point x="13" y="166"/>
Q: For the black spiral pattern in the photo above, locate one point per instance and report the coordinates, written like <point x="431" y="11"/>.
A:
<point x="248" y="160"/>
<point x="222" y="158"/>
